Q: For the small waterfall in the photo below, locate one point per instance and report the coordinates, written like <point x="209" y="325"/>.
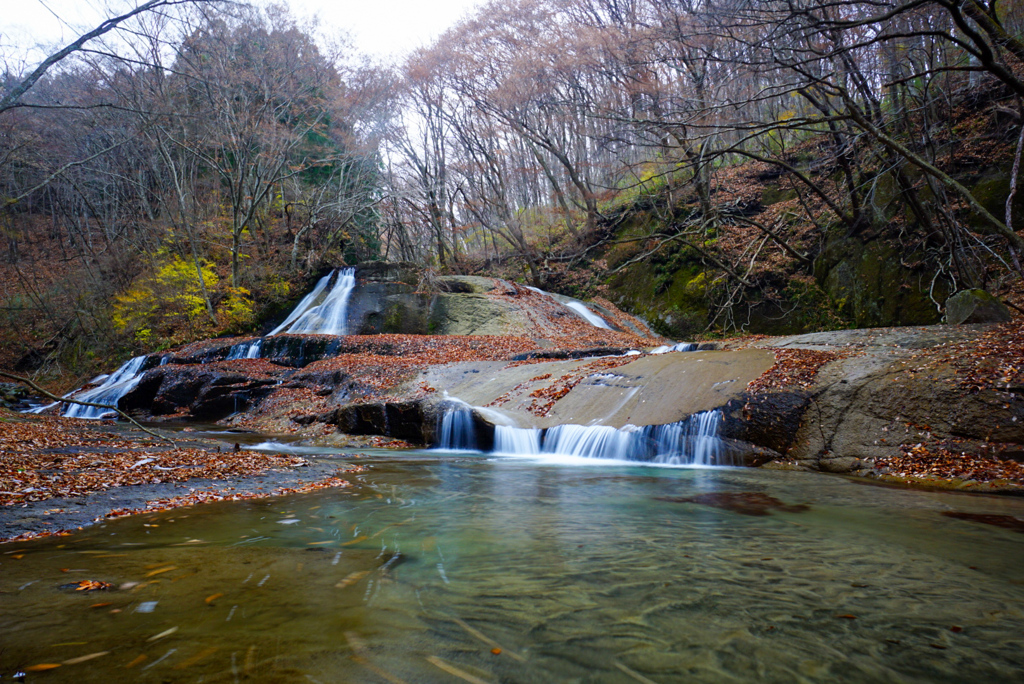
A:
<point x="326" y="315"/>
<point x="591" y="317"/>
<point x="591" y="441"/>
<point x="693" y="441"/>
<point x="455" y="430"/>
<point x="514" y="440"/>
<point x="115" y="386"/>
<point x="245" y="350"/>
<point x="306" y="304"/>
<point x="575" y="306"/>
<point x="678" y="347"/>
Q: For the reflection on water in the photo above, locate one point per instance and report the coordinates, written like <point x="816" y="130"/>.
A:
<point x="441" y="568"/>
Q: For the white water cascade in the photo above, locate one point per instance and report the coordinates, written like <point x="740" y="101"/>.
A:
<point x="576" y="307"/>
<point x="245" y="350"/>
<point x="677" y="347"/>
<point x="693" y="441"/>
<point x="323" y="311"/>
<point x="455" y="431"/>
<point x="591" y="317"/>
<point x="116" y="385"/>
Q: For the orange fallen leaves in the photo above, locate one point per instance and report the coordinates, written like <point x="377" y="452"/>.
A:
<point x="939" y="461"/>
<point x="793" y="369"/>
<point x="45" y="457"/>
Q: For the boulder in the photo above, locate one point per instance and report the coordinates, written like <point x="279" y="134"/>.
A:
<point x="975" y="306"/>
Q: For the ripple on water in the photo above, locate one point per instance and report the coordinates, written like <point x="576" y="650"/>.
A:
<point x="511" y="571"/>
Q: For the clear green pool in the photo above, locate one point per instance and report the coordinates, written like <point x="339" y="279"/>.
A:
<point x="577" y="572"/>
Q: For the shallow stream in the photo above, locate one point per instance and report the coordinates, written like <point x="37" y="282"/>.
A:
<point x="441" y="567"/>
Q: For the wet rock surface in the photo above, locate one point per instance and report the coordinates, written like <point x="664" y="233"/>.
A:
<point x="891" y="388"/>
<point x="838" y="401"/>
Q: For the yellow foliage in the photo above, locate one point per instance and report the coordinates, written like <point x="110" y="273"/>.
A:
<point x="173" y="293"/>
<point x="698" y="285"/>
<point x="276" y="286"/>
<point x="237" y="309"/>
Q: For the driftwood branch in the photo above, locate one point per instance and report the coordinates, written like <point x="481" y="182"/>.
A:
<point x="49" y="395"/>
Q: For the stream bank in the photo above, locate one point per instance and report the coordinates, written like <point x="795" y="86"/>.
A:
<point x="69" y="473"/>
<point x="933" y="405"/>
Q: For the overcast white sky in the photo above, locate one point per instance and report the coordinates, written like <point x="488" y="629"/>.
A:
<point x="381" y="28"/>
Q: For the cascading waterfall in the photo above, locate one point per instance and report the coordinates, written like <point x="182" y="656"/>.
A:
<point x="678" y="347"/>
<point x="323" y="311"/>
<point x="591" y="317"/>
<point x="575" y="306"/>
<point x="116" y="385"/>
<point x="245" y="350"/>
<point x="693" y="441"/>
<point x="455" y="431"/>
<point x="514" y="440"/>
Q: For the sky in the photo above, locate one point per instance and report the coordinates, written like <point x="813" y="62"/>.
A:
<point x="385" y="29"/>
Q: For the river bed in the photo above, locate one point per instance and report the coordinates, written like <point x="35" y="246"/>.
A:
<point x="447" y="567"/>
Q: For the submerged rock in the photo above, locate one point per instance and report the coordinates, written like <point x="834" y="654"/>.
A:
<point x="744" y="503"/>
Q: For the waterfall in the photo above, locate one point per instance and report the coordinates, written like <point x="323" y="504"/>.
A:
<point x="115" y="386"/>
<point x="590" y="441"/>
<point x="575" y="306"/>
<point x="455" y="430"/>
<point x="513" y="440"/>
<point x="591" y="317"/>
<point x="245" y="350"/>
<point x="678" y="347"/>
<point x="326" y="315"/>
<point x="693" y="441"/>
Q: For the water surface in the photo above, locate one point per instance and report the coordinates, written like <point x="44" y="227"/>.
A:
<point x="573" y="572"/>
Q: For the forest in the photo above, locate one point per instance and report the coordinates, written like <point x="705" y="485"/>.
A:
<point x="624" y="341"/>
<point x="190" y="167"/>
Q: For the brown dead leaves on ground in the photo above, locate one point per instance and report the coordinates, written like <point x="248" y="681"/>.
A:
<point x="543" y="399"/>
<point x="793" y="369"/>
<point x="944" y="462"/>
<point x="42" y="458"/>
<point x="992" y="360"/>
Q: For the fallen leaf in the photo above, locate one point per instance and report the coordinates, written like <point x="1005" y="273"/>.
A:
<point x="160" y="571"/>
<point x="161" y="635"/>
<point x="82" y="659"/>
<point x="136" y="661"/>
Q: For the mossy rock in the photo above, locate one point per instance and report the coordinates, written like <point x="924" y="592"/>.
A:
<point x="975" y="306"/>
<point x="463" y="314"/>
<point x="669" y="293"/>
<point x="882" y="198"/>
<point x="773" y="195"/>
<point x="991" y="191"/>
<point x="871" y="286"/>
<point x="458" y="284"/>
